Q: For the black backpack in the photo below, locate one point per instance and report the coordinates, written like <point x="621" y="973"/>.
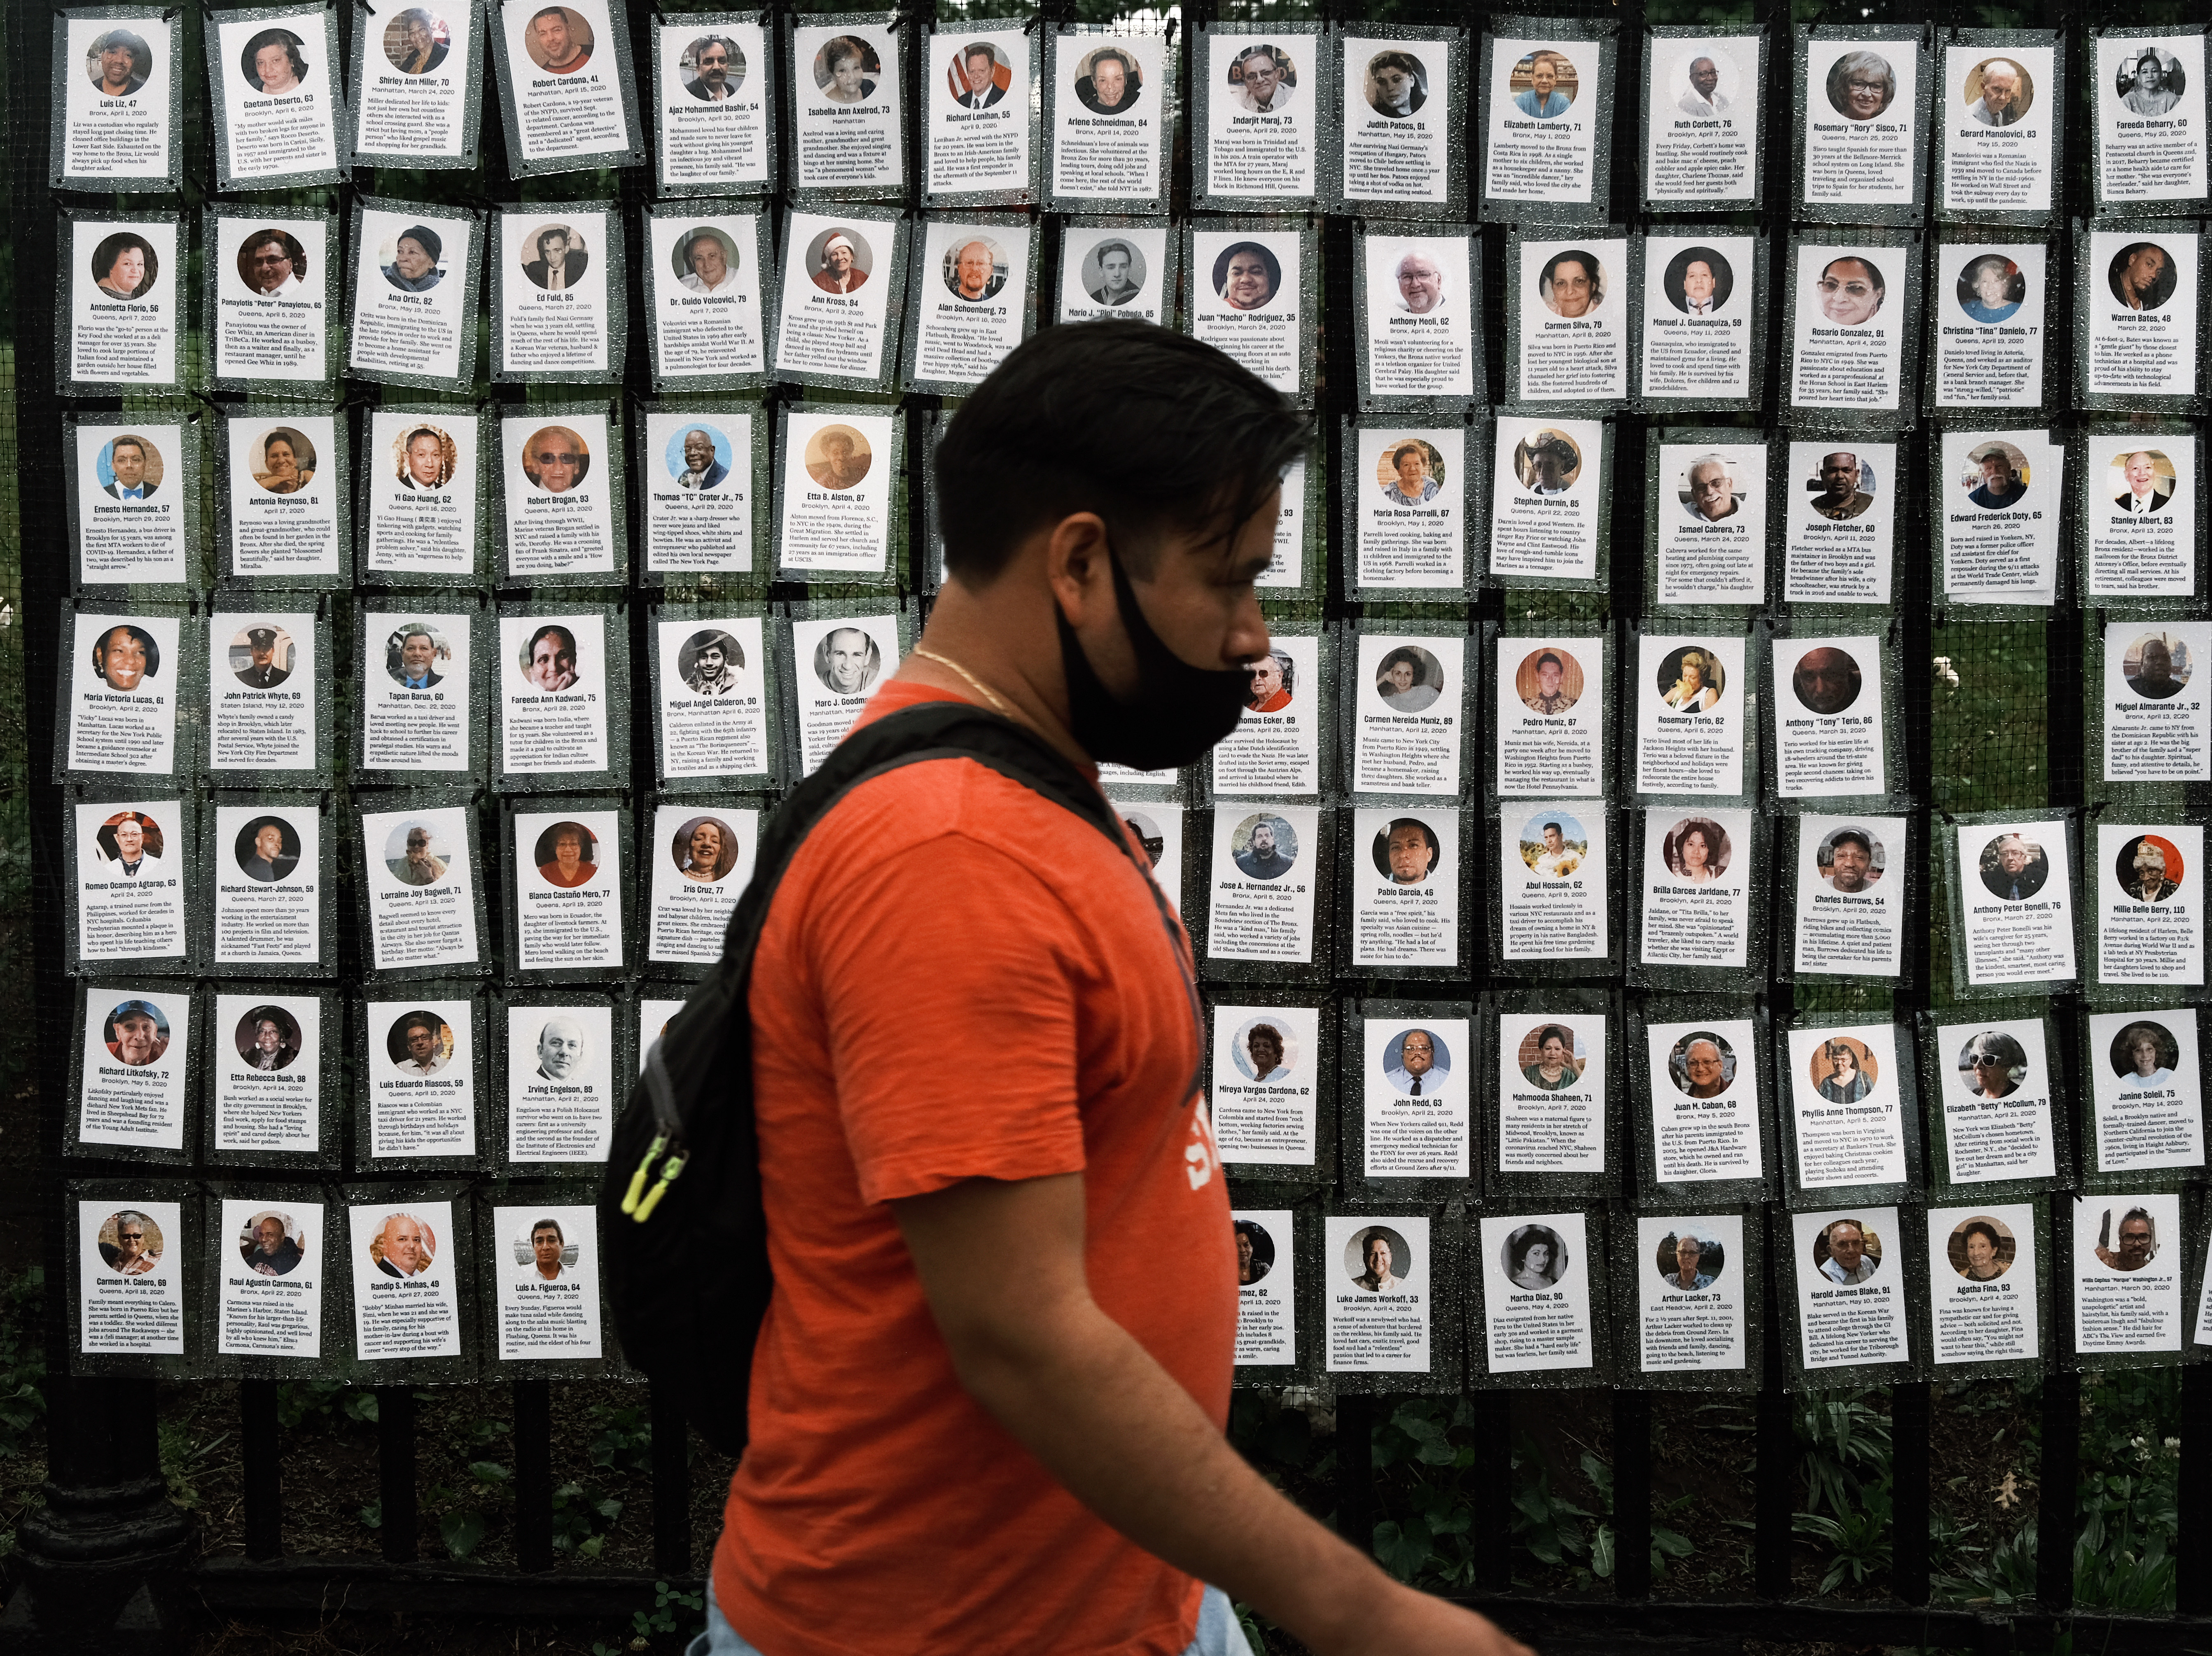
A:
<point x="682" y="1182"/>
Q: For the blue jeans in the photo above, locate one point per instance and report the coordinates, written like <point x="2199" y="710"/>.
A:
<point x="1218" y="1632"/>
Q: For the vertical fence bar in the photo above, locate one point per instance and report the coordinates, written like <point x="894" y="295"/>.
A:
<point x="260" y="1447"/>
<point x="2059" y="1480"/>
<point x="533" y="1474"/>
<point x="671" y="1487"/>
<point x="1632" y="1495"/>
<point x="395" y="1470"/>
<point x="1355" y="1469"/>
<point x="1908" y="1425"/>
<point x="1494" y="1488"/>
<point x="2193" y="1547"/>
<point x="1777" y="1451"/>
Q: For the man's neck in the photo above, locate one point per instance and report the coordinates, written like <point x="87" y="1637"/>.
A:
<point x="965" y="626"/>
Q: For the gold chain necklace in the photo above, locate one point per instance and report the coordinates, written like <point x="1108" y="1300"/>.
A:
<point x="981" y="688"/>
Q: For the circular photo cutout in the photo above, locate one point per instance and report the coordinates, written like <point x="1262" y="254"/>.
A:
<point x="1842" y="1070"/>
<point x="1981" y="1249"/>
<point x="1689" y="1262"/>
<point x="1263" y="847"/>
<point x="556" y="459"/>
<point x="847" y="69"/>
<point x="1409" y="679"/>
<point x="1997" y="92"/>
<point x="1571" y="282"/>
<point x="130" y="1242"/>
<point x="1992" y="1065"/>
<point x="1847" y="1251"/>
<point x="1255" y="1252"/>
<point x="1149" y="833"/>
<point x="282" y="460"/>
<point x="1113" y="272"/>
<point x="1826" y="680"/>
<point x="554" y="256"/>
<point x="1410" y="471"/>
<point x="1265" y="1049"/>
<point x="125" y="656"/>
<point x="420" y="1042"/>
<point x="1548" y="681"/>
<point x="711" y="68"/>
<point x="566" y="855"/>
<point x="272" y="263"/>
<point x="2151" y="82"/>
<point x="704" y="850"/>
<point x="1702" y="1063"/>
<point x="416" y="854"/>
<point x="2149" y="868"/>
<point x="126" y="266"/>
<point x="706" y="260"/>
<point x="546" y="1249"/>
<point x="2142" y="276"/>
<point x="978" y="76"/>
<point x="1108" y="81"/>
<point x="267" y="1038"/>
<point x="1697" y="281"/>
<point x="708" y="662"/>
<point x="1850" y="858"/>
<point x="1697" y="850"/>
<point x="1416" y="1062"/>
<point x="127" y="838"/>
<point x="548" y="661"/>
<point x="1247" y="276"/>
<point x="414" y="655"/>
<point x="129" y="467"/>
<point x="2127" y="1238"/>
<point x="558" y="40"/>
<point x="1995" y="475"/>
<point x="1396" y="84"/>
<point x="1533" y="1257"/>
<point x="267" y="850"/>
<point x="1377" y="1258"/>
<point x="271" y="1243"/>
<point x="1406" y="852"/>
<point x="2012" y="867"/>
<point x="840" y="259"/>
<point x="1990" y="288"/>
<point x="974" y="268"/>
<point x="838" y="457"/>
<point x="1262" y="79"/>
<point x="118" y="64"/>
<point x="1708" y="82"/>
<point x="413" y="261"/>
<point x="563" y="1047"/>
<point x="1691" y="679"/>
<point x="848" y="662"/>
<point x="425" y="458"/>
<point x="1842" y="486"/>
<point x="2144" y="1055"/>
<point x="2157" y="665"/>
<point x="1708" y="491"/>
<point x="417" y="40"/>
<point x="1861" y="85"/>
<point x="698" y="456"/>
<point x="1548" y="462"/>
<point x="138" y="1033"/>
<point x="1543" y="85"/>
<point x="1850" y="291"/>
<point x="1554" y="845"/>
<point x="261" y="657"/>
<point x="2141" y="481"/>
<point x="1552" y="1056"/>
<point x="273" y="63"/>
<point x="1275" y="683"/>
<point x="403" y="1246"/>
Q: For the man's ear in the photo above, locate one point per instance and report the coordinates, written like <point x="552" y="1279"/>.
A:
<point x="1080" y="569"/>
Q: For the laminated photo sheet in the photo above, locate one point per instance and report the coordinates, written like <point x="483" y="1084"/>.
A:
<point x="129" y="1269"/>
<point x="569" y="900"/>
<point x="267" y="1103"/>
<point x="2139" y="515"/>
<point x="2146" y="1096"/>
<point x="1266" y="1286"/>
<point x="1553" y="1082"/>
<point x="2013" y="901"/>
<point x="1993" y="1101"/>
<point x="1863" y="137"/>
<point x="561" y="473"/>
<point x="1416" y="1119"/>
<point x="422" y="1052"/>
<point x="1551" y="721"/>
<point x="282" y="514"/>
<point x="277" y="91"/>
<point x="1695" y="1289"/>
<point x="560" y="308"/>
<point x="698" y="859"/>
<point x="1985" y="1303"/>
<point x="129" y="860"/>
<point x="1851" y="892"/>
<point x="273" y="1258"/>
<point x="1701" y="144"/>
<point x="423" y="506"/>
<point x="1998" y="525"/>
<point x="1831" y="738"/>
<point x="1265" y="112"/>
<point x="558" y="1054"/>
<point x="1411" y="707"/>
<point x="134" y="501"/>
<point x="269" y="297"/>
<point x="703" y="471"/>
<point x="1702" y="339"/>
<point x="1854" y="1113"/>
<point x="1839" y="507"/>
<point x="1110" y="120"/>
<point x="568" y="90"/>
<point x="1547" y="112"/>
<point x="1851" y="1287"/>
<point x="558" y="670"/>
<point x="1542" y="1306"/>
<point x="2148" y="901"/>
<point x="132" y="1073"/>
<point x="121" y="289"/>
<point x="418" y="86"/>
<point x="273" y="909"/>
<point x="2000" y="121"/>
<point x="713" y="90"/>
<point x="979" y="126"/>
<point x="411" y="310"/>
<point x="1403" y="95"/>
<point x="847" y="118"/>
<point x="1706" y="1124"/>
<point x="418" y="885"/>
<point x="269" y="691"/>
<point x="120" y="107"/>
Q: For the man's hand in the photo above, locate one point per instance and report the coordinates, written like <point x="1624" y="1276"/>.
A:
<point x="1105" y="1419"/>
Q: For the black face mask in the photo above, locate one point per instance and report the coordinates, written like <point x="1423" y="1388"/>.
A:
<point x="1178" y="711"/>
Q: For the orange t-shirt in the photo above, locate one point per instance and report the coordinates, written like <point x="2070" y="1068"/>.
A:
<point x="960" y="979"/>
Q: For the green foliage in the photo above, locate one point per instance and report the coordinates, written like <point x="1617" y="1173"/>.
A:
<point x="322" y="1401"/>
<point x="582" y="1516"/>
<point x="23" y="1359"/>
<point x="184" y="1457"/>
<point x="1857" y="1540"/>
<point x="623" y="1439"/>
<point x="1844" y="1447"/>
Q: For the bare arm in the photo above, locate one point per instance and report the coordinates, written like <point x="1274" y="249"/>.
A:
<point x="1105" y="1419"/>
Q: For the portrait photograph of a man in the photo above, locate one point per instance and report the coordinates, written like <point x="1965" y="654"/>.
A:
<point x="1263" y="79"/>
<point x="137" y="1034"/>
<point x="2157" y="665"/>
<point x="556" y="458"/>
<point x="846" y="662"/>
<point x="118" y="64"/>
<point x="548" y="1251"/>
<point x="416" y="41"/>
<point x="1379" y="1261"/>
<point x="2149" y="869"/>
<point x="1406" y="852"/>
<point x="1548" y="462"/>
<point x="1861" y="85"/>
<point x="1709" y="494"/>
<point x="425" y="458"/>
<point x="1997" y="477"/>
<point x="978" y="76"/>
<point x="1416" y="1062"/>
<point x="127" y="842"/>
<point x="704" y="850"/>
<point x="1842" y="488"/>
<point x="403" y="1246"/>
<point x="2142" y="276"/>
<point x="1991" y="289"/>
<point x="1845" y="1251"/>
<point x="2144" y="482"/>
<point x="1997" y="92"/>
<point x="270" y="1244"/>
<point x="559" y="41"/>
<point x="412" y="656"/>
<point x="414" y="856"/>
<point x="2014" y="869"/>
<point x="713" y="68"/>
<point x="554" y="257"/>
<point x="1113" y="273"/>
<point x="125" y="656"/>
<point x="267" y="1038"/>
<point x="419" y="1043"/>
<point x="974" y="270"/>
<point x="1698" y="280"/>
<point x="1850" y="860"/>
<point x="267" y="849"/>
<point x="282" y="461"/>
<point x="272" y="263"/>
<point x="838" y="457"/>
<point x="1549" y="682"/>
<point x="710" y="662"/>
<point x="1421" y="287"/>
<point x="1688" y="1264"/>
<point x="1108" y="82"/>
<point x="563" y="1047"/>
<point x="697" y="459"/>
<point x="1397" y="84"/>
<point x="1247" y="276"/>
<point x="261" y="657"/>
<point x="1264" y="847"/>
<point x="130" y="468"/>
<point x="1554" y="845"/>
<point x="2132" y="1245"/>
<point x="1825" y="681"/>
<point x="706" y="261"/>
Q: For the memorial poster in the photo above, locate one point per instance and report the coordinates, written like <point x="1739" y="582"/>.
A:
<point x="2150" y="907"/>
<point x="559" y="483"/>
<point x="2157" y="727"/>
<point x="1397" y="149"/>
<point x="1852" y="1295"/>
<point x="1267" y="1288"/>
<point x="287" y="496"/>
<point x="405" y="1301"/>
<point x="1551" y="715"/>
<point x="125" y="303"/>
<point x="1421" y="308"/>
<point x="265" y="689"/>
<point x="1246" y="298"/>
<point x="271" y="298"/>
<point x="418" y="875"/>
<point x="1410" y="528"/>
<point x="1848" y="1111"/>
<point x="2149" y="97"/>
<point x="420" y="1059"/>
<point x="1551" y="879"/>
<point x="1262" y="883"/>
<point x="131" y="878"/>
<point x="1537" y="1298"/>
<point x="1860" y="146"/>
<point x="1838" y="522"/>
<point x="413" y="294"/>
<point x="561" y="1099"/>
<point x="418" y="79"/>
<point x="1850" y="895"/>
<point x="2145" y="1096"/>
<point x="839" y="662"/>
<point x="129" y="531"/>
<point x="1380" y="1304"/>
<point x="555" y="687"/>
<point x="1551" y="1092"/>
<point x="1701" y="140"/>
<point x="1409" y="693"/>
<point x="972" y="302"/>
<point x="976" y="122"/>
<point x="1406" y="870"/>
<point x="700" y="860"/>
<point x="2139" y="295"/>
<point x="849" y="124"/>
<point x="122" y="691"/>
<point x="1119" y="269"/>
<point x="2002" y="118"/>
<point x="838" y="277"/>
<point x="546" y="1272"/>
<point x="1992" y="324"/>
<point x="269" y="1285"/>
<point x="558" y="281"/>
<point x="707" y="295"/>
<point x="422" y="468"/>
<point x="118" y="99"/>
<point x="2128" y="1252"/>
<point x="1545" y="98"/>
<point x="569" y="900"/>
<point x="1705" y="1101"/>
<point x="1265" y="1095"/>
<point x="697" y="484"/>
<point x="132" y="1076"/>
<point x="2139" y="512"/>
<point x="570" y="102"/>
<point x="265" y="1092"/>
<point x="269" y="887"/>
<point x="1547" y="499"/>
<point x="1982" y="1295"/>
<point x="2000" y="516"/>
<point x="839" y="478"/>
<point x="2015" y="891"/>
<point x="1692" y="1294"/>
<point x="130" y="1277"/>
<point x="1997" y="1092"/>
<point x="1690" y="714"/>
<point x="415" y="692"/>
<point x="1698" y="292"/>
<point x="1574" y="318"/>
<point x="1710" y="533"/>
<point x="278" y="98"/>
<point x="1107" y="106"/>
<point x="1849" y="302"/>
<point x="1260" y="111"/>
<point x="712" y="93"/>
<point x="1829" y="737"/>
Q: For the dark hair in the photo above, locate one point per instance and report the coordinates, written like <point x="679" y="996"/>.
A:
<point x="1571" y="256"/>
<point x="1427" y="834"/>
<point x="1394" y="60"/>
<point x="1553" y="658"/>
<point x="550" y="1223"/>
<point x="1411" y="445"/>
<point x="1267" y="1029"/>
<point x="1550" y="828"/>
<point x="975" y="49"/>
<point x="127" y="440"/>
<point x="1983" y="1226"/>
<point x="1128" y="66"/>
<point x="560" y="12"/>
<point x="1873" y="270"/>
<point x="277" y="36"/>
<point x="1551" y="1029"/>
<point x="567" y="637"/>
<point x="842" y="48"/>
<point x="1408" y="653"/>
<point x="1125" y="419"/>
